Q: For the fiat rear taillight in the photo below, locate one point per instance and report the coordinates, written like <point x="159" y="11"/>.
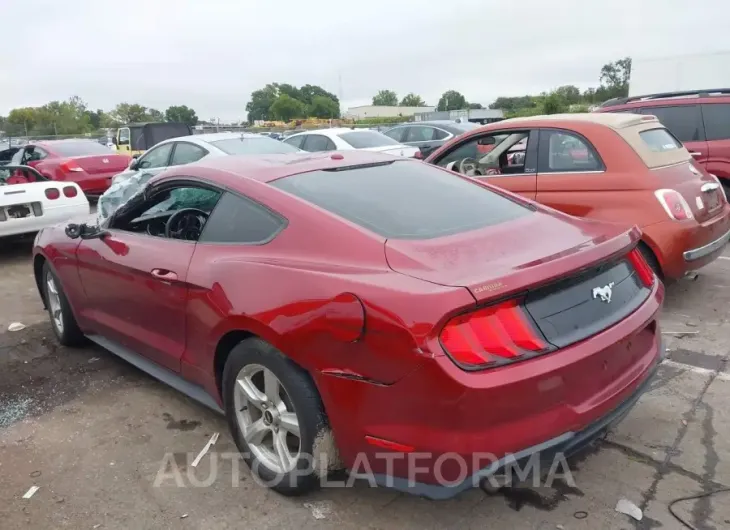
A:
<point x="493" y="336"/>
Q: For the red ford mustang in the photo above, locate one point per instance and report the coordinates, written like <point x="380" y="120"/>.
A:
<point x="384" y="303"/>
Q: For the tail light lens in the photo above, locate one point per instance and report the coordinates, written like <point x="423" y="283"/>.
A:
<point x="70" y="191"/>
<point x="70" y="167"/>
<point x="491" y="337"/>
<point x="52" y="193"/>
<point x="642" y="268"/>
<point x="674" y="204"/>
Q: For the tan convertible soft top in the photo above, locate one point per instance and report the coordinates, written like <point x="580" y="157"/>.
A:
<point x="629" y="126"/>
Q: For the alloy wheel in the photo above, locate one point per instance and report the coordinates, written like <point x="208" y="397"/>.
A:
<point x="267" y="419"/>
<point x="54" y="303"/>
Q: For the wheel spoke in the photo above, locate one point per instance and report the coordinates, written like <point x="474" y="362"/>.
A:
<point x="282" y="451"/>
<point x="289" y="422"/>
<point x="252" y="394"/>
<point x="52" y="286"/>
<point x="271" y="386"/>
<point x="256" y="432"/>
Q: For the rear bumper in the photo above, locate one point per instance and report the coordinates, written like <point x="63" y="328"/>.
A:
<point x="50" y="217"/>
<point x="685" y="246"/>
<point x="566" y="444"/>
<point x="708" y="249"/>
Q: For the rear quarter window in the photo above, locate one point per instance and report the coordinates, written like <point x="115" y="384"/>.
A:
<point x="660" y="140"/>
<point x="404" y="200"/>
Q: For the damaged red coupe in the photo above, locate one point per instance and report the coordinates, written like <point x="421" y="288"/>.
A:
<point x="384" y="303"/>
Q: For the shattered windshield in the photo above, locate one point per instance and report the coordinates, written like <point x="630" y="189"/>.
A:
<point x="119" y="193"/>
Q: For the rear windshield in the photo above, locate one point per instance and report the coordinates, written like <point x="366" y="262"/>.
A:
<point x="262" y="145"/>
<point x="403" y="200"/>
<point x="660" y="140"/>
<point x="365" y="139"/>
<point x="81" y="148"/>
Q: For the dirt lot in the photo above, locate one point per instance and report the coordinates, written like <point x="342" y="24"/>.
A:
<point x="92" y="432"/>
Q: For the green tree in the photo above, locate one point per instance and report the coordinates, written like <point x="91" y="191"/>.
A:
<point x="286" y="108"/>
<point x="323" y="107"/>
<point x="451" y="100"/>
<point x="615" y="78"/>
<point x="259" y="108"/>
<point x="570" y="94"/>
<point x="22" y="120"/>
<point x="475" y="106"/>
<point x="554" y="104"/>
<point x="512" y="104"/>
<point x="308" y="92"/>
<point x="155" y="115"/>
<point x="290" y="90"/>
<point x="412" y="100"/>
<point x="125" y="113"/>
<point x="181" y="114"/>
<point x="385" y="98"/>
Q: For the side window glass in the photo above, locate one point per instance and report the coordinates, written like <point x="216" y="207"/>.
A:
<point x="420" y="134"/>
<point x="182" y="198"/>
<point x="156" y="158"/>
<point x="397" y="134"/>
<point x="439" y="134"/>
<point x="240" y="220"/>
<point x="717" y="121"/>
<point x="331" y="145"/>
<point x="37" y="154"/>
<point x="316" y="142"/>
<point x="295" y="141"/>
<point x="186" y="153"/>
<point x="499" y="153"/>
<point x="684" y="121"/>
<point x="561" y="151"/>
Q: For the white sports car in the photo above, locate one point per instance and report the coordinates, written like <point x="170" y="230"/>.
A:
<point x="27" y="207"/>
<point x="344" y="139"/>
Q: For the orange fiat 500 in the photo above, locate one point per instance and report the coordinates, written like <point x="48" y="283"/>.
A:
<point x="621" y="168"/>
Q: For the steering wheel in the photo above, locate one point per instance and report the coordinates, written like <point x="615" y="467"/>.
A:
<point x="468" y="167"/>
<point x="186" y="224"/>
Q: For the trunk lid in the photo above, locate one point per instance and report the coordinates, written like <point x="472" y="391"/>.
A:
<point x="513" y="256"/>
<point x="703" y="193"/>
<point x="102" y="164"/>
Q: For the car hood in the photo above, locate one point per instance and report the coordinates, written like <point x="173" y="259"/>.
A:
<point x="500" y="259"/>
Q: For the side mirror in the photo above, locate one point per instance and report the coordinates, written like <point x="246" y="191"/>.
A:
<point x="487" y="140"/>
<point x="134" y="164"/>
<point x="84" y="231"/>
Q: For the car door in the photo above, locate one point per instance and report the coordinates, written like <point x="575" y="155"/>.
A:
<point x="569" y="172"/>
<point x="156" y="159"/>
<point x="136" y="284"/>
<point x="426" y="138"/>
<point x="186" y="153"/>
<point x="316" y="143"/>
<point x="716" y="117"/>
<point x="685" y="122"/>
<point x="518" y="177"/>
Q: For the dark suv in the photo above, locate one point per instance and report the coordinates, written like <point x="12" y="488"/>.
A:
<point x="700" y="119"/>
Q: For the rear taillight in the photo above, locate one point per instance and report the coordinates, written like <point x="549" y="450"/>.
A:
<point x="70" y="167"/>
<point x="52" y="193"/>
<point x="674" y="204"/>
<point x="70" y="191"/>
<point x="493" y="336"/>
<point x="418" y="155"/>
<point x="642" y="268"/>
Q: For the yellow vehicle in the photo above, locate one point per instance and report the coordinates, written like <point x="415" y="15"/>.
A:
<point x="135" y="138"/>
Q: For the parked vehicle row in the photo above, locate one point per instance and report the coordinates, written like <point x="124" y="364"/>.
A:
<point x="344" y="139"/>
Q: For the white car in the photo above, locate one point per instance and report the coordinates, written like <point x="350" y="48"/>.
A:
<point x="344" y="139"/>
<point x="189" y="149"/>
<point x="27" y="207"/>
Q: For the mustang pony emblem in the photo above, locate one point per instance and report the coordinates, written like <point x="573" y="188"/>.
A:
<point x="603" y="292"/>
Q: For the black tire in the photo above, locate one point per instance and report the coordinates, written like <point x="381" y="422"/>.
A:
<point x="70" y="335"/>
<point x="651" y="260"/>
<point x="307" y="406"/>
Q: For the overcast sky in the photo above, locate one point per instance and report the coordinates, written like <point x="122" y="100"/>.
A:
<point x="211" y="54"/>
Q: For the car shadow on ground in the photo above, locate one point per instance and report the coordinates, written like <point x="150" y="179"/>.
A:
<point x="16" y="249"/>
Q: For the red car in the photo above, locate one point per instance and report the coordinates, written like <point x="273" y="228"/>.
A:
<point x="387" y="302"/>
<point x="87" y="163"/>
<point x="700" y="119"/>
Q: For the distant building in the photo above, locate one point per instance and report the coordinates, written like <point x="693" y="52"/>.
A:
<point x="473" y="115"/>
<point x="373" y="111"/>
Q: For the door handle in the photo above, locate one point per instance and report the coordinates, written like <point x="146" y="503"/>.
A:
<point x="164" y="274"/>
<point x="695" y="153"/>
